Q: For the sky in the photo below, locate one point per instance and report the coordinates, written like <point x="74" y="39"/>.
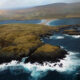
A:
<point x="13" y="4"/>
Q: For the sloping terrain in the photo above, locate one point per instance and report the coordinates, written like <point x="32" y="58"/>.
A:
<point x="57" y="10"/>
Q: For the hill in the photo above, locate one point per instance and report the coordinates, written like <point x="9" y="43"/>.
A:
<point x="56" y="10"/>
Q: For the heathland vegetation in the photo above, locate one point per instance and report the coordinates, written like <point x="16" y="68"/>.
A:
<point x="24" y="40"/>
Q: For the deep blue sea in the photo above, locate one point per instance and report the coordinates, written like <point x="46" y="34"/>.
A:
<point x="70" y="69"/>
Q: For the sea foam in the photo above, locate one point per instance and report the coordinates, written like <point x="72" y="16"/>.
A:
<point x="36" y="70"/>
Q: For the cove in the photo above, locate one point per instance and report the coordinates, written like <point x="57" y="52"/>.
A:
<point x="65" y="21"/>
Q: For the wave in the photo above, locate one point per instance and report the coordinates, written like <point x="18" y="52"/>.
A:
<point x="37" y="71"/>
<point x="56" y="37"/>
<point x="76" y="36"/>
<point x="49" y="23"/>
<point x="73" y="36"/>
<point x="42" y="21"/>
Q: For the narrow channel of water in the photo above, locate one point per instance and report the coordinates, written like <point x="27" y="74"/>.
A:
<point x="68" y="21"/>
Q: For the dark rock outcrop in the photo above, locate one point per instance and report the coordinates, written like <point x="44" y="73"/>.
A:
<point x="47" y="52"/>
<point x="71" y="32"/>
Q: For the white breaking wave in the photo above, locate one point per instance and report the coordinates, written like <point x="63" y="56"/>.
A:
<point x="60" y="37"/>
<point x="56" y="37"/>
<point x="49" y="23"/>
<point x="63" y="36"/>
<point x="42" y="21"/>
<point x="76" y="36"/>
<point x="36" y="71"/>
<point x="73" y="36"/>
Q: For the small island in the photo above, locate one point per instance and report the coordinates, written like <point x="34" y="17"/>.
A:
<point x="48" y="53"/>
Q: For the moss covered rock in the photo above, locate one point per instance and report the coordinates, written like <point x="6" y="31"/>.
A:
<point x="47" y="52"/>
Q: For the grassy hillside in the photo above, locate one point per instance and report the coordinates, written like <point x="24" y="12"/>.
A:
<point x="22" y="40"/>
<point x="57" y="10"/>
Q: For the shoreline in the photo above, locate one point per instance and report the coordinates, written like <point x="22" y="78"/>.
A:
<point x="14" y="50"/>
<point x="47" y="33"/>
<point x="48" y="21"/>
<point x="44" y="21"/>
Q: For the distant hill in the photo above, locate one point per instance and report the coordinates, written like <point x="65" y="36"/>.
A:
<point x="56" y="10"/>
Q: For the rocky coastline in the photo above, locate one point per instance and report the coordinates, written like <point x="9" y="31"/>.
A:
<point x="69" y="29"/>
<point x="23" y="40"/>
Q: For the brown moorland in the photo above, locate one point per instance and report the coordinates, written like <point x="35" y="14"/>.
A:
<point x="22" y="40"/>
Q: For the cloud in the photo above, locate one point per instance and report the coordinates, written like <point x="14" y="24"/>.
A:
<point x="9" y="4"/>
